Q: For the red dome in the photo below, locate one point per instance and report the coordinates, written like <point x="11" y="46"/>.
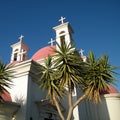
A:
<point x="111" y="90"/>
<point x="44" y="52"/>
<point x="6" y="96"/>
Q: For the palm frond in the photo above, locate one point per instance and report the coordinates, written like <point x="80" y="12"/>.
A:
<point x="98" y="75"/>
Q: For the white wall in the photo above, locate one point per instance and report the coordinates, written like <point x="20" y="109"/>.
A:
<point x="107" y="109"/>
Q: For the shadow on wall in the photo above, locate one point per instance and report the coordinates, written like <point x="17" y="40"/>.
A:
<point x="107" y="109"/>
<point x="91" y="111"/>
<point x="21" y="113"/>
<point x="98" y="111"/>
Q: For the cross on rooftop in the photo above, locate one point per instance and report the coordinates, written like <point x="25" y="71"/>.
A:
<point x="62" y="19"/>
<point x="51" y="42"/>
<point x="81" y="52"/>
<point x="21" y="38"/>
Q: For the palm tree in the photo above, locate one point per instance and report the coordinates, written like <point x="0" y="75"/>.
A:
<point x="5" y="75"/>
<point x="68" y="71"/>
<point x="49" y="81"/>
<point x="70" y="66"/>
<point x="98" y="75"/>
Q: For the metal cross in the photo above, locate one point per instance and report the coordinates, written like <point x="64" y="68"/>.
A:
<point x="81" y="52"/>
<point x="62" y="19"/>
<point x="21" y="38"/>
<point x="51" y="42"/>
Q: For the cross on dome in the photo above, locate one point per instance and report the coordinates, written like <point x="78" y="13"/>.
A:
<point x="81" y="52"/>
<point x="51" y="42"/>
<point x="21" y="38"/>
<point x="62" y="19"/>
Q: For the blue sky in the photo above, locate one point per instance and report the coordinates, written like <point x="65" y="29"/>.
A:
<point x="96" y="24"/>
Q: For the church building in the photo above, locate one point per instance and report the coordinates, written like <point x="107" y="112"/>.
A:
<point x="26" y="101"/>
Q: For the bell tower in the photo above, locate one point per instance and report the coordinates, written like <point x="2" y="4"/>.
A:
<point x="19" y="51"/>
<point x="64" y="33"/>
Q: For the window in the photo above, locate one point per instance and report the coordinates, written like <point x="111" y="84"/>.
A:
<point x="15" y="57"/>
<point x="31" y="118"/>
<point x="24" y="57"/>
<point x="62" y="39"/>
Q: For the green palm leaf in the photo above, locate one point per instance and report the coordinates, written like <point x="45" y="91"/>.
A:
<point x="98" y="75"/>
<point x="5" y="77"/>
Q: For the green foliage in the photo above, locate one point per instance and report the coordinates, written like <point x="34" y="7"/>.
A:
<point x="5" y="77"/>
<point x="49" y="80"/>
<point x="69" y="64"/>
<point x="98" y="75"/>
<point x="66" y="70"/>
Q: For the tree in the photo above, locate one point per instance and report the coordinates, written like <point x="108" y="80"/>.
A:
<point x="49" y="81"/>
<point x="97" y="76"/>
<point x="5" y="75"/>
<point x="68" y="71"/>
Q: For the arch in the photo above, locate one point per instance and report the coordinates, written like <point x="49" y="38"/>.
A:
<point x="62" y="32"/>
<point x="15" y="50"/>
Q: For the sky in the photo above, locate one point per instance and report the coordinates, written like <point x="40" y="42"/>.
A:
<point x="96" y="25"/>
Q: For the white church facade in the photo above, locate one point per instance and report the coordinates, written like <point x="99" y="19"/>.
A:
<point x="26" y="101"/>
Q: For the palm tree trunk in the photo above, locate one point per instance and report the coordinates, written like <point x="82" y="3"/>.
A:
<point x="58" y="108"/>
<point x="70" y="96"/>
<point x="70" y="112"/>
<point x="79" y="100"/>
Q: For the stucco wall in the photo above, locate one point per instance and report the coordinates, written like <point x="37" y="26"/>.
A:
<point x="107" y="109"/>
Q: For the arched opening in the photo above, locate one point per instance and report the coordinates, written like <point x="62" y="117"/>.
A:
<point x="62" y="32"/>
<point x="15" y="55"/>
<point x="62" y="40"/>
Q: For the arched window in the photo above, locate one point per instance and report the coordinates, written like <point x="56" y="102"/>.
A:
<point x="16" y="50"/>
<point x="62" y="40"/>
<point x="62" y="32"/>
<point x="15" y="54"/>
<point x="24" y="57"/>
